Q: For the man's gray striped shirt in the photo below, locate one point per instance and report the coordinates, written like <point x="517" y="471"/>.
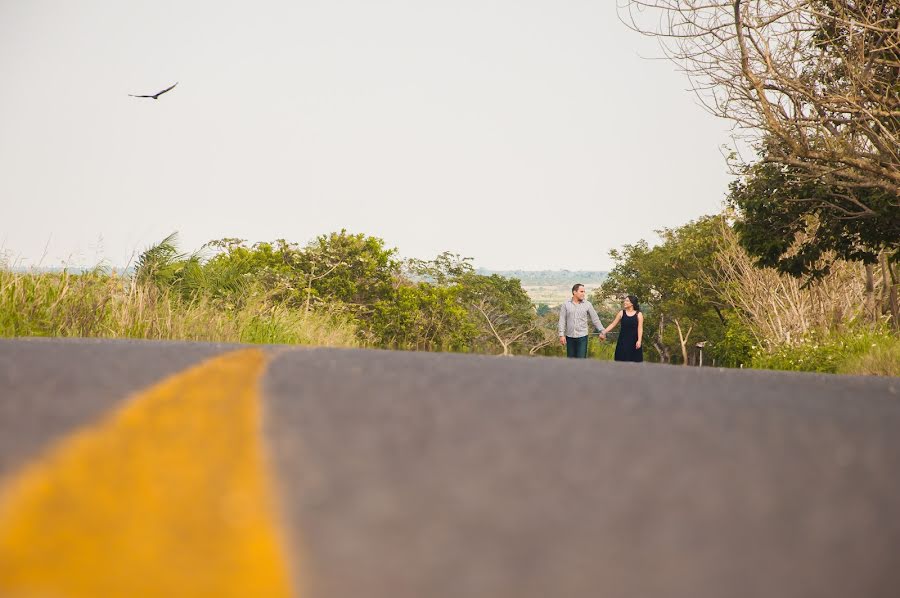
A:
<point x="573" y="318"/>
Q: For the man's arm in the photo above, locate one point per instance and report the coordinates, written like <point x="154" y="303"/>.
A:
<point x="562" y="323"/>
<point x="595" y="319"/>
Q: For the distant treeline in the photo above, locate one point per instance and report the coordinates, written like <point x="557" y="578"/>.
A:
<point x="549" y="277"/>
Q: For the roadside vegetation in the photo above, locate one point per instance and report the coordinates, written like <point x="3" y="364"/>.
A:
<point x="703" y="295"/>
<point x="109" y="305"/>
<point x="338" y="290"/>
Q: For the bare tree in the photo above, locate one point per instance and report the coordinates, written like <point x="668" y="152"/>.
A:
<point x="683" y="339"/>
<point x="504" y="328"/>
<point x="544" y="335"/>
<point x="777" y="308"/>
<point x="658" y="343"/>
<point x="811" y="83"/>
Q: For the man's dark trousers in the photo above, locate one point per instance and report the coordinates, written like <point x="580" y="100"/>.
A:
<point x="576" y="347"/>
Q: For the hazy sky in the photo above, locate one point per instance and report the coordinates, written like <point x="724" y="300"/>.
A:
<point x="525" y="134"/>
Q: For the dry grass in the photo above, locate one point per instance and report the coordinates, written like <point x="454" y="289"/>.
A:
<point x="778" y="308"/>
<point x="881" y="359"/>
<point x="98" y="304"/>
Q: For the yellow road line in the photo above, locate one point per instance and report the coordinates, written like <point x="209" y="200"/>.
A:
<point x="166" y="497"/>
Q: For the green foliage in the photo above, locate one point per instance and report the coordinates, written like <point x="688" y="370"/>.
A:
<point x="354" y="269"/>
<point x="798" y="226"/>
<point x="163" y="265"/>
<point x="449" y="307"/>
<point x="235" y="269"/>
<point x="422" y="316"/>
<point x="603" y="350"/>
<point x="857" y="351"/>
<point x="349" y="290"/>
<point x="262" y="321"/>
<point x="734" y="349"/>
<point x="442" y="270"/>
<point x="672" y="282"/>
<point x="880" y="358"/>
<point x="501" y="311"/>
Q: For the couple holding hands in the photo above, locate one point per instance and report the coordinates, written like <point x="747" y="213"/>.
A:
<point x="573" y="326"/>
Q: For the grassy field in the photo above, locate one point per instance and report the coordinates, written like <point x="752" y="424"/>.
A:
<point x="554" y="295"/>
<point x="106" y="305"/>
<point x="552" y="287"/>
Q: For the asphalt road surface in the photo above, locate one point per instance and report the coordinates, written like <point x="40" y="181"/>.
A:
<point x="438" y="475"/>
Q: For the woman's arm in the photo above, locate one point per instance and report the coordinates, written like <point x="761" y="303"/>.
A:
<point x="640" y="330"/>
<point x="614" y="322"/>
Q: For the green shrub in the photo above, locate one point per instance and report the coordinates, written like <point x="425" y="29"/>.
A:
<point x="859" y="351"/>
<point x="735" y="348"/>
<point x="604" y="350"/>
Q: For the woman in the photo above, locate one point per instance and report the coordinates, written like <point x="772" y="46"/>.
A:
<point x="628" y="347"/>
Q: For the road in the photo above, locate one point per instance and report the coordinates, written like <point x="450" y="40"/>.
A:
<point x="393" y="474"/>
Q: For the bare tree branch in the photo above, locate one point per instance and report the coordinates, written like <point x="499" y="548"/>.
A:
<point x="812" y="81"/>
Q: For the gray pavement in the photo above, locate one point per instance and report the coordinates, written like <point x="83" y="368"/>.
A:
<point x="49" y="387"/>
<point x="433" y="475"/>
<point x="413" y="475"/>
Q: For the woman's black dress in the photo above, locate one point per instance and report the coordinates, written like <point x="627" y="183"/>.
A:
<point x="628" y="333"/>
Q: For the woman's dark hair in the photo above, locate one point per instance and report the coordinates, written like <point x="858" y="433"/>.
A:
<point x="634" y="302"/>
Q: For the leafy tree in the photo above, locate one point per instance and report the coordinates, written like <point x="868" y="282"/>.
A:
<point x="672" y="283"/>
<point x="422" y="316"/>
<point x="789" y="222"/>
<point x="355" y="269"/>
<point x="504" y="312"/>
<point x="269" y="267"/>
<point x="446" y="268"/>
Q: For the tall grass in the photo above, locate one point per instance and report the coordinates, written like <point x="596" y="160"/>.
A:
<point x="859" y="350"/>
<point x="881" y="357"/>
<point x="107" y="305"/>
<point x="604" y="350"/>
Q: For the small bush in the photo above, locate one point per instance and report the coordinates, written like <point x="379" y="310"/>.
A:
<point x="860" y="351"/>
<point x="735" y="348"/>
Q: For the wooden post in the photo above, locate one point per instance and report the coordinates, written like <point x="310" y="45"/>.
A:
<point x="889" y="291"/>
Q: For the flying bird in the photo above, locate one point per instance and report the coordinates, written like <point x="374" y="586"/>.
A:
<point x="156" y="95"/>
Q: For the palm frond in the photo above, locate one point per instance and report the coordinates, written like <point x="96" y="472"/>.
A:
<point x="158" y="263"/>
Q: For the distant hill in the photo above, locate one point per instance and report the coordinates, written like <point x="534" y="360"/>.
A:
<point x="550" y="277"/>
<point x="551" y="286"/>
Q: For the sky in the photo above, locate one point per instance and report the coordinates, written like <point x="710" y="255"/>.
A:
<point x="524" y="134"/>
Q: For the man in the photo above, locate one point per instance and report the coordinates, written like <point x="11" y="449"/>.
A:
<point x="573" y="323"/>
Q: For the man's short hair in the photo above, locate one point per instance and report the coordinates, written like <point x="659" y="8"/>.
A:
<point x="575" y="288"/>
